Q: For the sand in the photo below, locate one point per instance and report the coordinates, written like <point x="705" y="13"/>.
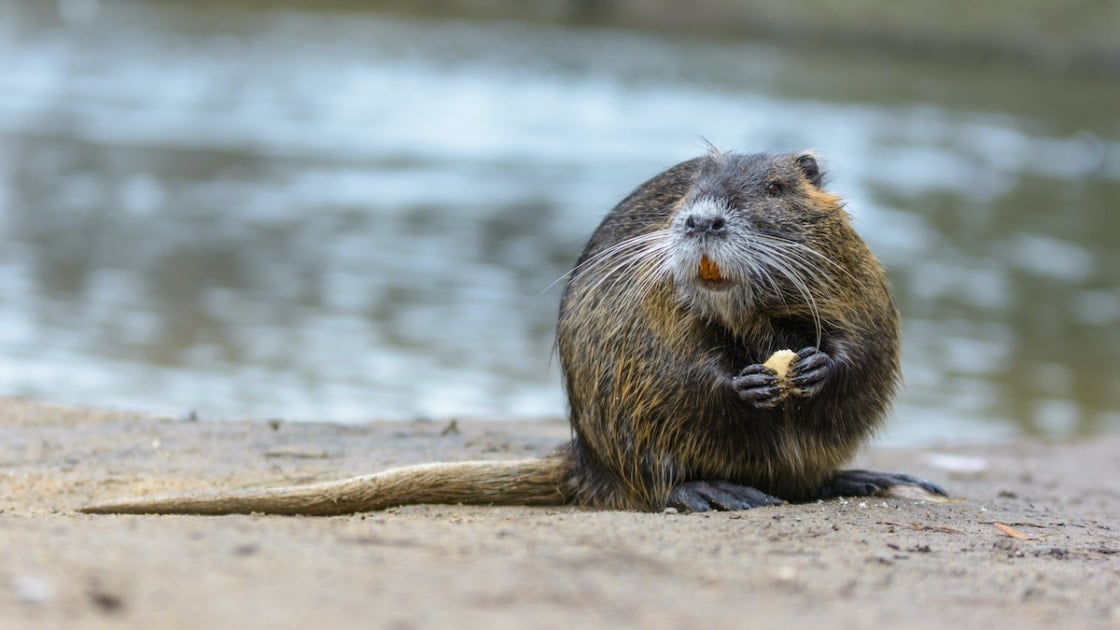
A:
<point x="1032" y="540"/>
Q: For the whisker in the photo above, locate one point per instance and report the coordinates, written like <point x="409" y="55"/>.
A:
<point x="631" y="262"/>
<point x="803" y="248"/>
<point x="640" y="256"/>
<point x="605" y="254"/>
<point x="784" y="262"/>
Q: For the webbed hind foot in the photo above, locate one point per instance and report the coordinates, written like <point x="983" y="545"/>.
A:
<point x="865" y="483"/>
<point x="701" y="496"/>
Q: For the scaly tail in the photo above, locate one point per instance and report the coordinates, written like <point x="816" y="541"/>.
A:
<point x="519" y="482"/>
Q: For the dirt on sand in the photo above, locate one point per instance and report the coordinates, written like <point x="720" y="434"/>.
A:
<point x="1032" y="541"/>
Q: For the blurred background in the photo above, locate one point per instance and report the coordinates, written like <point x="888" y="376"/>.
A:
<point x="353" y="210"/>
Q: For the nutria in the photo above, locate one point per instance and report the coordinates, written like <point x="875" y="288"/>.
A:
<point x="683" y="292"/>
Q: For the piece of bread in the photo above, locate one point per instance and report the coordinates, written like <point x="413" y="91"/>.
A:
<point x="780" y="362"/>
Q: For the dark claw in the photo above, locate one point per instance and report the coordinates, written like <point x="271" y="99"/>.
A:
<point x="760" y="379"/>
<point x="811" y="358"/>
<point x="865" y="483"/>
<point x="701" y="496"/>
<point x="810" y="371"/>
<point x="758" y="385"/>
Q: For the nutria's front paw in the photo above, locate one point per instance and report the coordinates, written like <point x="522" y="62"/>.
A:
<point x="759" y="385"/>
<point x="701" y="496"/>
<point x="809" y="371"/>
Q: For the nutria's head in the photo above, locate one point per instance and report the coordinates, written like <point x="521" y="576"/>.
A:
<point x="734" y="239"/>
<point x="754" y="233"/>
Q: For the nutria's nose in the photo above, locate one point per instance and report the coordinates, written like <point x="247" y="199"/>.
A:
<point x="700" y="224"/>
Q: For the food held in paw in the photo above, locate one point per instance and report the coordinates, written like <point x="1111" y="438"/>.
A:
<point x="780" y="362"/>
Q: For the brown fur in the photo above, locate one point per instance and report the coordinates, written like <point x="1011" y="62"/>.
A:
<point x="648" y="383"/>
<point x="650" y="357"/>
<point x="521" y="482"/>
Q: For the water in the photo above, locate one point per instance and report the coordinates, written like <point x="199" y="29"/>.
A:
<point x="345" y="216"/>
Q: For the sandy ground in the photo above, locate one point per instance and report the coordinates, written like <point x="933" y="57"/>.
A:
<point x="890" y="563"/>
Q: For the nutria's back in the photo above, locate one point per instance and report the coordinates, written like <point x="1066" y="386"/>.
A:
<point x="688" y="285"/>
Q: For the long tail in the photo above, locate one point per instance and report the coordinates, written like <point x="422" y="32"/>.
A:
<point x="519" y="482"/>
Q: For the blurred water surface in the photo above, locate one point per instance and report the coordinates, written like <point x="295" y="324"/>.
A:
<point x="345" y="215"/>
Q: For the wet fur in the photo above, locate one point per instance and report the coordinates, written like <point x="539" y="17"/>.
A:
<point x="650" y="356"/>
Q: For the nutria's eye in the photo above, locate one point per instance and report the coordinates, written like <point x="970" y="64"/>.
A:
<point x="774" y="188"/>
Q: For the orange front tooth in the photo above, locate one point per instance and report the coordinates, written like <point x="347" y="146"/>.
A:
<point x="709" y="270"/>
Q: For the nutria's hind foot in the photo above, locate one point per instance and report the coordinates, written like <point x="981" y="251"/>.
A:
<point x="865" y="483"/>
<point x="701" y="496"/>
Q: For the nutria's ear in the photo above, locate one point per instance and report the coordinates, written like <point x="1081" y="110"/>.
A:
<point x="807" y="162"/>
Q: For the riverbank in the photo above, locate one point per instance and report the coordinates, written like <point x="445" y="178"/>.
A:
<point x="1077" y="36"/>
<point x="1031" y="542"/>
